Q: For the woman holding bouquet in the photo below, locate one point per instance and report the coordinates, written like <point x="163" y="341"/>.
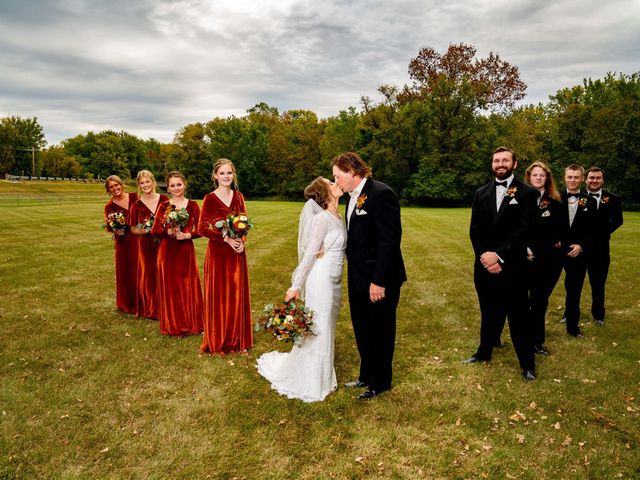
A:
<point x="179" y="290"/>
<point x="307" y="372"/>
<point x="116" y="217"/>
<point x="227" y="307"/>
<point x="141" y="220"/>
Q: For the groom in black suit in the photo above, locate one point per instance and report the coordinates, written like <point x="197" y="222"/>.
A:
<point x="375" y="269"/>
<point x="501" y="217"/>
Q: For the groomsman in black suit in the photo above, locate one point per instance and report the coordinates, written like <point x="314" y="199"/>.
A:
<point x="608" y="217"/>
<point x="375" y="269"/>
<point x="501" y="217"/>
<point x="576" y="240"/>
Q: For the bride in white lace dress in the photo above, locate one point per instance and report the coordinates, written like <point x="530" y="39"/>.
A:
<point x="307" y="372"/>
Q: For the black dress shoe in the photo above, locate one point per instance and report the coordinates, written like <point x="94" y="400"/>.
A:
<point x="563" y="320"/>
<point x="576" y="334"/>
<point x="599" y="322"/>
<point x="473" y="359"/>
<point x="368" y="395"/>
<point x="355" y="384"/>
<point x="541" y="349"/>
<point x="528" y="375"/>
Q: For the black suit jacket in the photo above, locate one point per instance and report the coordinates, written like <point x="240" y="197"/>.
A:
<point x="547" y="227"/>
<point x="582" y="229"/>
<point x="507" y="230"/>
<point x="373" y="239"/>
<point x="608" y="217"/>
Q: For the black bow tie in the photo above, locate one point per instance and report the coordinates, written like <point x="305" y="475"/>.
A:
<point x="594" y="194"/>
<point x="572" y="195"/>
<point x="501" y="184"/>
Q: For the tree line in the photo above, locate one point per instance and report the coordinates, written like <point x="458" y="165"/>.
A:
<point x="430" y="140"/>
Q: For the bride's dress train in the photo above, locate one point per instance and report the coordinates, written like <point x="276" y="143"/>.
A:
<point x="307" y="372"/>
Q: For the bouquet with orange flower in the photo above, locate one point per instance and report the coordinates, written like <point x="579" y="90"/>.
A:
<point x="288" y="322"/>
<point x="236" y="225"/>
<point x="176" y="218"/>
<point x="116" y="221"/>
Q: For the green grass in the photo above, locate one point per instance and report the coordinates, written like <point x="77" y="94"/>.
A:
<point x="88" y="392"/>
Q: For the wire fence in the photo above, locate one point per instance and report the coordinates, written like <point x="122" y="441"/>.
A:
<point x="28" y="199"/>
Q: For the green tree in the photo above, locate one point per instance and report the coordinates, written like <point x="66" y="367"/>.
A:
<point x="21" y="140"/>
<point x="56" y="162"/>
<point x="192" y="158"/>
<point x="598" y="123"/>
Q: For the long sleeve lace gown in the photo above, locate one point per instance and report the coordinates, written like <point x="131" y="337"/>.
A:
<point x="307" y="372"/>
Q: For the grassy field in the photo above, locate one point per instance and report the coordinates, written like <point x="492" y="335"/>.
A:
<point x="88" y="392"/>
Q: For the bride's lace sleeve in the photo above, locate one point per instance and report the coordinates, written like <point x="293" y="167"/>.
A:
<point x="309" y="247"/>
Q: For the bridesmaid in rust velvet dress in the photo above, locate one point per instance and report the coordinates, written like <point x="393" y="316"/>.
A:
<point x="143" y="213"/>
<point x="126" y="245"/>
<point x="227" y="307"/>
<point x="179" y="290"/>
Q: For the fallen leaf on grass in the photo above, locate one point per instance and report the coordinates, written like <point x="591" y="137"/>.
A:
<point x="359" y="460"/>
<point x="127" y="334"/>
<point x="520" y="438"/>
<point x="64" y="416"/>
<point x="567" y="441"/>
<point x="516" y="417"/>
<point x="532" y="405"/>
<point x="458" y="421"/>
<point x="104" y="450"/>
<point x="557" y="380"/>
<point x="556" y="425"/>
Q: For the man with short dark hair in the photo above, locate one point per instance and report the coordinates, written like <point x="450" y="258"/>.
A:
<point x="607" y="219"/>
<point x="576" y="240"/>
<point x="501" y="216"/>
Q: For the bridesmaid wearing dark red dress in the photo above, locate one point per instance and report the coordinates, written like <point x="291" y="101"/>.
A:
<point x="126" y="245"/>
<point x="179" y="290"/>
<point x="143" y="213"/>
<point x="227" y="307"/>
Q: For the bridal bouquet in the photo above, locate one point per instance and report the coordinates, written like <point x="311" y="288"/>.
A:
<point x="176" y="217"/>
<point x="236" y="225"/>
<point x="288" y="322"/>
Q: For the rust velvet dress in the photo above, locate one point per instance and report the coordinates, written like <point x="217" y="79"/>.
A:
<point x="227" y="307"/>
<point x="126" y="259"/>
<point x="147" y="261"/>
<point x="180" y="306"/>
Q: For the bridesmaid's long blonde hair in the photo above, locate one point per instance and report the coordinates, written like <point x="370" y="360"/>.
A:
<point x="216" y="166"/>
<point x="149" y="175"/>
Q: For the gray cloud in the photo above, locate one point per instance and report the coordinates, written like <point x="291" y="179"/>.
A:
<point x="151" y="67"/>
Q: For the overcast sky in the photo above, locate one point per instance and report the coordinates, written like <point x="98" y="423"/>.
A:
<point x="150" y="67"/>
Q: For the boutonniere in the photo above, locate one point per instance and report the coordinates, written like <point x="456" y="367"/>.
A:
<point x="582" y="202"/>
<point x="360" y="201"/>
<point x="511" y="192"/>
<point x="543" y="204"/>
<point x="604" y="200"/>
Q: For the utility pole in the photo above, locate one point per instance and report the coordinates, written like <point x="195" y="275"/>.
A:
<point x="33" y="161"/>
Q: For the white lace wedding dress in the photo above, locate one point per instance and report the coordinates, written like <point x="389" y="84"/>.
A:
<point x="307" y="372"/>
